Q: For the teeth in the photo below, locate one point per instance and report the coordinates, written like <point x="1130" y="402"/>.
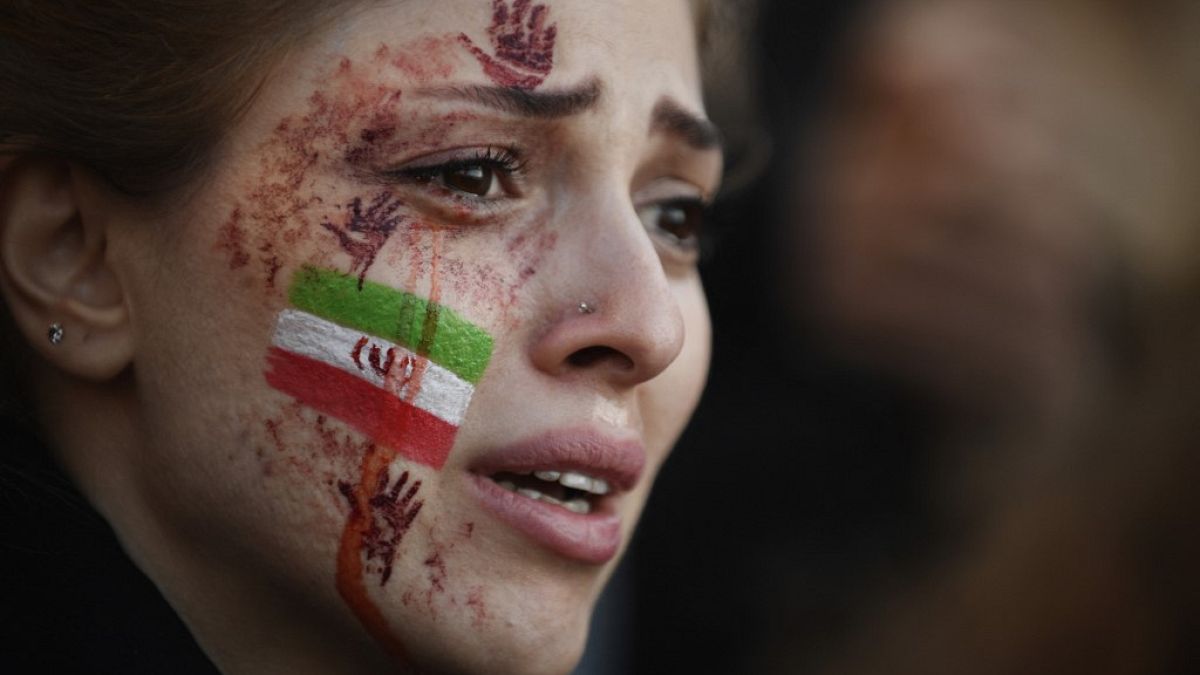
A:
<point x="578" y="506"/>
<point x="575" y="505"/>
<point x="574" y="480"/>
<point x="534" y="494"/>
<point x="581" y="482"/>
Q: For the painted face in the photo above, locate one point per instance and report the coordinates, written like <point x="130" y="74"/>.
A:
<point x="414" y="352"/>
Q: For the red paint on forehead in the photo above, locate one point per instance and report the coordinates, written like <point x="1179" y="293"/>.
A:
<point x="522" y="44"/>
<point x="427" y="60"/>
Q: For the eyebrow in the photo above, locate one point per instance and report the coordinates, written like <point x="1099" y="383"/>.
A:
<point x="538" y="104"/>
<point x="671" y="117"/>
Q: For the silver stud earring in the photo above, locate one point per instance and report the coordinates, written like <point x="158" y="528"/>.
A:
<point x="585" y="308"/>
<point x="55" y="334"/>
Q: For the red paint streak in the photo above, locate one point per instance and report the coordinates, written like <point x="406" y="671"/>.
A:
<point x="425" y="60"/>
<point x="436" y="568"/>
<point x="365" y="232"/>
<point x="433" y="308"/>
<point x="500" y="284"/>
<point x="522" y="44"/>
<point x="232" y="240"/>
<point x="476" y="603"/>
<point x="370" y="139"/>
<point x="273" y="432"/>
<point x="415" y="372"/>
<point x="364" y="534"/>
<point x="381" y="416"/>
<point x="336" y="445"/>
<point x="274" y="264"/>
<point x="437" y="572"/>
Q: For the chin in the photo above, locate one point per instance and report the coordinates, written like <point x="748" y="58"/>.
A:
<point x="526" y="639"/>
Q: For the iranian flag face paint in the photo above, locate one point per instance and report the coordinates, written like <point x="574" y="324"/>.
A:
<point x="396" y="367"/>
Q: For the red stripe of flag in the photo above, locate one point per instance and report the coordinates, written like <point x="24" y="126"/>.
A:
<point x="387" y="420"/>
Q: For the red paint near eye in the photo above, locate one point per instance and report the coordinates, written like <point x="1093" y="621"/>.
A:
<point x="365" y="231"/>
<point x="283" y="207"/>
<point x="522" y="44"/>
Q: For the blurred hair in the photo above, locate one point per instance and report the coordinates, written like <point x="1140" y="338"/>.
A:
<point x="138" y="91"/>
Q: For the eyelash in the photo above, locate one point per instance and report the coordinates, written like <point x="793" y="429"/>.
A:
<point x="504" y="163"/>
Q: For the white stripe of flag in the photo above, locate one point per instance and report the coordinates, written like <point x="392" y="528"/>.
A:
<point x="441" y="393"/>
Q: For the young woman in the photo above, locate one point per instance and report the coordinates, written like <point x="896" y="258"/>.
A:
<point x="365" y="325"/>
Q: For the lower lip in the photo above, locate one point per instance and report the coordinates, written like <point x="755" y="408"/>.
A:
<point x="593" y="538"/>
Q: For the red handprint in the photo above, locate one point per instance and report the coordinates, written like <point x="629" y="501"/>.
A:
<point x="522" y="43"/>
<point x="364" y="233"/>
<point x="392" y="512"/>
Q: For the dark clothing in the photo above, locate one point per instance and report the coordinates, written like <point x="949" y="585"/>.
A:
<point x="75" y="602"/>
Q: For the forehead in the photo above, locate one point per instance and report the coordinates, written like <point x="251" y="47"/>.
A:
<point x="632" y="46"/>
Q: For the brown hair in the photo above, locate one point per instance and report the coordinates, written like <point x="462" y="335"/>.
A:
<point x="138" y="91"/>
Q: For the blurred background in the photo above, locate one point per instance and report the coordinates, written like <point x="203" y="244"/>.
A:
<point x="951" y="420"/>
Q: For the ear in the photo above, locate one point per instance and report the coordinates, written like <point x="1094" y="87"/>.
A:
<point x="54" y="269"/>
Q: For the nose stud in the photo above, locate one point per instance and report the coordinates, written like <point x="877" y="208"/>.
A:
<point x="55" y="334"/>
<point x="585" y="308"/>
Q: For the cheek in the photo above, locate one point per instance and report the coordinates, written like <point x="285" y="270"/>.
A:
<point x="494" y="274"/>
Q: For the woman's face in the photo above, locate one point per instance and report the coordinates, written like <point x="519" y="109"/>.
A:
<point x="410" y="358"/>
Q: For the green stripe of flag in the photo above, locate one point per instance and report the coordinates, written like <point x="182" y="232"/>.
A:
<point x="430" y="329"/>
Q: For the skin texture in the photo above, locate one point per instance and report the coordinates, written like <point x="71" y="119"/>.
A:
<point x="237" y="499"/>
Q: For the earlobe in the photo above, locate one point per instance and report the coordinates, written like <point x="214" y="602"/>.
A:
<point x="54" y="272"/>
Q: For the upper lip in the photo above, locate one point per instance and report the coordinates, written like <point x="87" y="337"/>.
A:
<point x="619" y="461"/>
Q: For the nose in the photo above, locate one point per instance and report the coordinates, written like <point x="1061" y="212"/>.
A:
<point x="612" y="314"/>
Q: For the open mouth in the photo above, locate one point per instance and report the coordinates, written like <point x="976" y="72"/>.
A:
<point x="571" y="490"/>
<point x="562" y="489"/>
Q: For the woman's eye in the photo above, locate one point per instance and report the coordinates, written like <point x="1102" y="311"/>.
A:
<point x="679" y="221"/>
<point x="475" y="179"/>
<point x="488" y="175"/>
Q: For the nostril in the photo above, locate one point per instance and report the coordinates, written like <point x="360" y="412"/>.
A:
<point x="592" y="356"/>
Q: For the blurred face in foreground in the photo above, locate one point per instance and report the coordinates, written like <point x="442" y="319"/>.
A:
<point x="406" y="362"/>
